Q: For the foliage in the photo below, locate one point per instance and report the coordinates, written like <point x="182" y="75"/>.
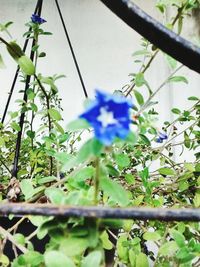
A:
<point x="54" y="168"/>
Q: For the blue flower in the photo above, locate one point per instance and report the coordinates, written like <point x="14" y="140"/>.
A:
<point x="37" y="19"/>
<point x="161" y="137"/>
<point x="109" y="115"/>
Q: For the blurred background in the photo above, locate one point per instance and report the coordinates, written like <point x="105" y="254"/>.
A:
<point x="103" y="45"/>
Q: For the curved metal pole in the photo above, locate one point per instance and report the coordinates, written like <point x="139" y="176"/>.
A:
<point x="168" y="41"/>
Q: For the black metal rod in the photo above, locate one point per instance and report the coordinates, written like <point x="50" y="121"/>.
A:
<point x="168" y="41"/>
<point x="22" y="117"/>
<point x="37" y="9"/>
<point x="72" y="50"/>
<point x="161" y="214"/>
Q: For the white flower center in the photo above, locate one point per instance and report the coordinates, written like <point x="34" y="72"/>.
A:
<point x="106" y="117"/>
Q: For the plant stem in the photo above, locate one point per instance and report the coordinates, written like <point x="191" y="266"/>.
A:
<point x="48" y="116"/>
<point x="156" y="91"/>
<point x="96" y="181"/>
<point x="7" y="235"/>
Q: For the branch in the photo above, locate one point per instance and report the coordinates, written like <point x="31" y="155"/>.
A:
<point x="7" y="235"/>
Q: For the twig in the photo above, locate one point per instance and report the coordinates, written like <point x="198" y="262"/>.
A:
<point x="7" y="235"/>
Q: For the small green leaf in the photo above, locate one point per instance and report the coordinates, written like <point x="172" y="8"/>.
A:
<point x="55" y="114"/>
<point x="27" y="188"/>
<point x="168" y="249"/>
<point x="139" y="79"/>
<point x="15" y="126"/>
<point x="142" y="260"/>
<point x="166" y="171"/>
<point x="193" y="98"/>
<point x="141" y="53"/>
<point x="19" y="239"/>
<point x="114" y="190"/>
<point x="2" y="65"/>
<point x="47" y="179"/>
<point x="26" y="65"/>
<point x="122" y="160"/>
<point x="144" y="139"/>
<point x="122" y="250"/>
<point x="4" y="260"/>
<point x="130" y="179"/>
<point x="176" y="111"/>
<point x="73" y="246"/>
<point x="152" y="236"/>
<point x="84" y="174"/>
<point x="77" y="125"/>
<point x="171" y="61"/>
<point x="57" y="259"/>
<point x="139" y="97"/>
<point x="92" y="259"/>
<point x="55" y="195"/>
<point x="2" y="142"/>
<point x="178" y="79"/>
<point x="107" y="244"/>
<point x="178" y="237"/>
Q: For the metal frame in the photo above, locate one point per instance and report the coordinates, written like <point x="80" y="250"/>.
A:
<point x="168" y="41"/>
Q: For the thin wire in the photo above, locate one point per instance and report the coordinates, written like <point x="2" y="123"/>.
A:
<point x="22" y="117"/>
<point x="37" y="8"/>
<point x="72" y="50"/>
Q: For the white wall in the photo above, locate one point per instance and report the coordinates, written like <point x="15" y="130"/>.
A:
<point x="103" y="45"/>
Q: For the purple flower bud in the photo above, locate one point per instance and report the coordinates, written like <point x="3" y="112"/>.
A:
<point x="37" y="19"/>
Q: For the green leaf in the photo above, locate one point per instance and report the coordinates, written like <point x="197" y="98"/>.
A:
<point x="57" y="259"/>
<point x="139" y="97"/>
<point x="130" y="179"/>
<point x="54" y="114"/>
<point x="19" y="239"/>
<point x="73" y="246"/>
<point x="47" y="179"/>
<point x="114" y="190"/>
<point x="171" y="61"/>
<point x="144" y="139"/>
<point x="142" y="260"/>
<point x="176" y="111"/>
<point x="139" y="79"/>
<point x="27" y="189"/>
<point x="84" y="174"/>
<point x="2" y="65"/>
<point x="193" y="98"/>
<point x="77" y="125"/>
<point x="2" y="142"/>
<point x="122" y="250"/>
<point x="168" y="249"/>
<point x="141" y="53"/>
<point x="92" y="259"/>
<point x="178" y="237"/>
<point x="55" y="195"/>
<point x="166" y="171"/>
<point x="26" y="65"/>
<point x="152" y="236"/>
<point x="4" y="260"/>
<point x="59" y="127"/>
<point x="107" y="244"/>
<point x="122" y="160"/>
<point x="14" y="50"/>
<point x="178" y="79"/>
<point x="15" y="126"/>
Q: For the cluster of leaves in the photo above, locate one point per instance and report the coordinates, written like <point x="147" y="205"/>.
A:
<point x="136" y="171"/>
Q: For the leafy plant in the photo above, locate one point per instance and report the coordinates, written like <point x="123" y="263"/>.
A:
<point x="113" y="167"/>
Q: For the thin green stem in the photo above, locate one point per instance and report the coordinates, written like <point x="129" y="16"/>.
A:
<point x="96" y="181"/>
